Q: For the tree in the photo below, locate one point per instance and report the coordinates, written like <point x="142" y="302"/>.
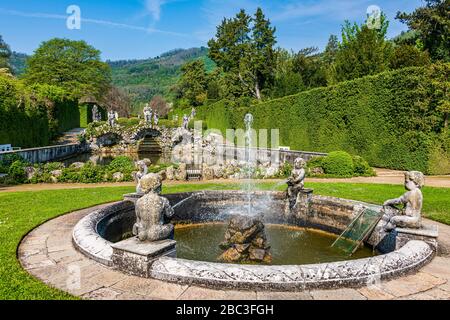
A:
<point x="118" y="100"/>
<point x="159" y="105"/>
<point x="193" y="82"/>
<point x="362" y="51"/>
<point x="243" y="49"/>
<point x="329" y="55"/>
<point x="73" y="65"/>
<point x="432" y="23"/>
<point x="309" y="65"/>
<point x="408" y="56"/>
<point x="5" y="54"/>
<point x="287" y="81"/>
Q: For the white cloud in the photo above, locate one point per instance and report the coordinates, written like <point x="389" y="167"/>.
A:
<point x="88" y="20"/>
<point x="331" y="9"/>
<point x="154" y="8"/>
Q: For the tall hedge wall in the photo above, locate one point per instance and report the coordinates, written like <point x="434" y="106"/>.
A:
<point x="32" y="116"/>
<point x="392" y="119"/>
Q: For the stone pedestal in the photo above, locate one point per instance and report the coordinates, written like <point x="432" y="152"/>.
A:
<point x="136" y="257"/>
<point x="303" y="202"/>
<point x="428" y="233"/>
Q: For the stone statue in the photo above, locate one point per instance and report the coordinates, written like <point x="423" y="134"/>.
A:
<point x="148" y="114"/>
<point x="296" y="181"/>
<point x="143" y="169"/>
<point x="95" y="113"/>
<point x="410" y="215"/>
<point x="112" y="118"/>
<point x="193" y="113"/>
<point x="185" y="122"/>
<point x="155" y="119"/>
<point x="151" y="211"/>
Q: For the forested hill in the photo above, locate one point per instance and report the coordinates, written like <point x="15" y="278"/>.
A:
<point x="143" y="79"/>
<point x="17" y="62"/>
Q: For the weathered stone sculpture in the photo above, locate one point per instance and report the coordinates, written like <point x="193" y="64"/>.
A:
<point x="143" y="169"/>
<point x="296" y="181"/>
<point x="95" y="114"/>
<point x="151" y="211"/>
<point x="155" y="119"/>
<point x="410" y="215"/>
<point x="112" y="118"/>
<point x="148" y="114"/>
<point x="245" y="241"/>
<point x="185" y="122"/>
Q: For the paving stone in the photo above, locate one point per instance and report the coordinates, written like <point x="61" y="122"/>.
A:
<point x="268" y="295"/>
<point x="375" y="293"/>
<point x="433" y="294"/>
<point x="337" y="294"/>
<point x="108" y="277"/>
<point x="445" y="286"/>
<point x="151" y="288"/>
<point x="405" y="286"/>
<point x="102" y="294"/>
<point x="197" y="293"/>
<point x="440" y="266"/>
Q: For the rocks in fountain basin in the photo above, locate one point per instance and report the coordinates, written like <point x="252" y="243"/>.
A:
<point x="170" y="173"/>
<point x="245" y="241"/>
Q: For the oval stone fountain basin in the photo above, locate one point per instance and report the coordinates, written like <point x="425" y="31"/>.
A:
<point x="300" y="242"/>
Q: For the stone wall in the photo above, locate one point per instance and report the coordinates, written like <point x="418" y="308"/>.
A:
<point x="45" y="154"/>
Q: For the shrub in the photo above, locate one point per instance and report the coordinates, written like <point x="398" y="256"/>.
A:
<point x="121" y="164"/>
<point x="285" y="170"/>
<point x="91" y="173"/>
<point x="7" y="160"/>
<point x="17" y="171"/>
<point x="338" y="163"/>
<point x="361" y="167"/>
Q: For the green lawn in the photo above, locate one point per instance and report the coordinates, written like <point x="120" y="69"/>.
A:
<point x="20" y="212"/>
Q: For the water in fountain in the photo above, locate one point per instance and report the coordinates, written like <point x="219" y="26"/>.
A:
<point x="250" y="162"/>
<point x="245" y="238"/>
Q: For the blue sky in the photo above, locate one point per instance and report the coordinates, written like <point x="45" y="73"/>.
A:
<point x="146" y="28"/>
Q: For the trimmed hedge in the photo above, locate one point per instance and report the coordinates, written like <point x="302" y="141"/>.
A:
<point x="32" y="116"/>
<point x="391" y="119"/>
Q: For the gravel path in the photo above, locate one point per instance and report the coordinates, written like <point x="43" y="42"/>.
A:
<point x="384" y="176"/>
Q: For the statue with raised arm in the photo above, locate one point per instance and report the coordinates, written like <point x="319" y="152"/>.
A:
<point x="155" y="118"/>
<point x="143" y="169"/>
<point x="296" y="181"/>
<point x="151" y="211"/>
<point x="410" y="216"/>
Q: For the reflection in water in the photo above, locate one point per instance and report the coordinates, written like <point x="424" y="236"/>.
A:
<point x="289" y="245"/>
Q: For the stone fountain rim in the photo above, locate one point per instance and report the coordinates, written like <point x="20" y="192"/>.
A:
<point x="409" y="258"/>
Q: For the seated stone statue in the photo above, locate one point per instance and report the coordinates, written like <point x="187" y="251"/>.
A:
<point x="410" y="215"/>
<point x="296" y="181"/>
<point x="143" y="169"/>
<point x="151" y="211"/>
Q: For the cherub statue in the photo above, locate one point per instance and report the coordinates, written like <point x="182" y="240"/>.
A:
<point x="155" y="118"/>
<point x="151" y="211"/>
<point x="296" y="181"/>
<point x="410" y="215"/>
<point x="143" y="169"/>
